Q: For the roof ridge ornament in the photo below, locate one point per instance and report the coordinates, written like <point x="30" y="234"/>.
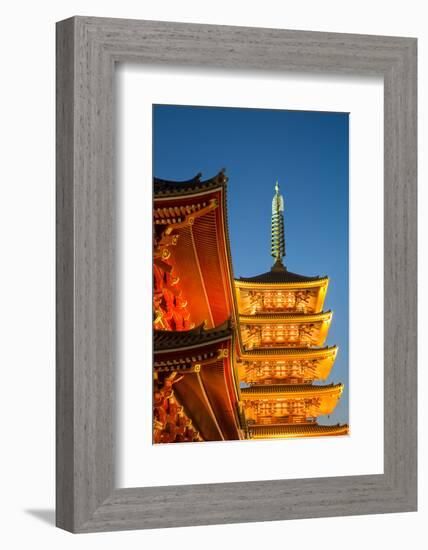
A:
<point x="277" y="230"/>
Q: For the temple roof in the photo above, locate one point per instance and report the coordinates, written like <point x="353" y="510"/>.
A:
<point x="283" y="317"/>
<point x="259" y="431"/>
<point x="290" y="388"/>
<point x="280" y="275"/>
<point x="306" y="352"/>
<point x="170" y="188"/>
<point x="170" y="339"/>
<point x="204" y="385"/>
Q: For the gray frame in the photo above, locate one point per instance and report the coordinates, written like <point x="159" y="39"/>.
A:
<point x="87" y="50"/>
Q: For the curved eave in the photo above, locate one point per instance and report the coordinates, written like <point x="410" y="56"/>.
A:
<point x="324" y="359"/>
<point x="197" y="189"/>
<point x="288" y="354"/>
<point x="203" y="252"/>
<point x="210" y="397"/>
<point x="195" y="348"/>
<point x="315" y="283"/>
<point x="281" y="431"/>
<point x="167" y="341"/>
<point x="196" y="193"/>
<point x="165" y="189"/>
<point x="291" y="391"/>
<point x="285" y="318"/>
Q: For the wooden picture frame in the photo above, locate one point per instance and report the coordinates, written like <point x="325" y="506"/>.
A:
<point x="87" y="50"/>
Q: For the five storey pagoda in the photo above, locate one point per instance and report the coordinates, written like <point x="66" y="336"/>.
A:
<point x="281" y="348"/>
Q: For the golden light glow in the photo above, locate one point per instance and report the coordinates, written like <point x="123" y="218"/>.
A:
<point x="257" y="381"/>
<point x="282" y="327"/>
<point x="321" y="282"/>
<point x="281" y="431"/>
<point x="267" y="318"/>
<point x="299" y="300"/>
<point x="287" y="330"/>
<point x="288" y="371"/>
<point x="277" y="403"/>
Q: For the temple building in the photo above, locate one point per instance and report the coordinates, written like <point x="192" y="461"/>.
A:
<point x="233" y="358"/>
<point x="283" y="331"/>
<point x="196" y="385"/>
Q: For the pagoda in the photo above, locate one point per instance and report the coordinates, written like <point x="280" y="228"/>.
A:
<point x="232" y="358"/>
<point x="281" y="351"/>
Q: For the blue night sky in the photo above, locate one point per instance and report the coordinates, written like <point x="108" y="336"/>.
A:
<point x="308" y="153"/>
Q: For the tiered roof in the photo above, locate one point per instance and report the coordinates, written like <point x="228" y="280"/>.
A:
<point x="205" y="384"/>
<point x="282" y="431"/>
<point x="197" y="367"/>
<point x="285" y="317"/>
<point x="280" y="312"/>
<point x="275" y="276"/>
<point x="280" y="390"/>
<point x="193" y="213"/>
<point x="193" y="251"/>
<point x="167" y="340"/>
<point x="169" y="188"/>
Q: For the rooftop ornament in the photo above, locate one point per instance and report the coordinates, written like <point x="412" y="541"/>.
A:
<point x="277" y="230"/>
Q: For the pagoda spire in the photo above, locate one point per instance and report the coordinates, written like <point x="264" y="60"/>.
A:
<point x="277" y="229"/>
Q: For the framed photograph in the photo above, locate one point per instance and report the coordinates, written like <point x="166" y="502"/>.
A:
<point x="236" y="274"/>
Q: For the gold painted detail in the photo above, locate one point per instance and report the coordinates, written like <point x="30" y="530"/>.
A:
<point x="253" y="301"/>
<point x="299" y="335"/>
<point x="285" y="318"/>
<point x="322" y="281"/>
<point x="289" y="404"/>
<point x="295" y="371"/>
<point x="287" y="411"/>
<point x="222" y="353"/>
<point x="290" y="354"/>
<point x="169" y="305"/>
<point x="170" y="422"/>
<point x="182" y="216"/>
<point x="184" y="365"/>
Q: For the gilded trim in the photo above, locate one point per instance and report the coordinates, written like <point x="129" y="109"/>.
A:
<point x="278" y="391"/>
<point x="272" y="318"/>
<point x="266" y="354"/>
<point x="323" y="282"/>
